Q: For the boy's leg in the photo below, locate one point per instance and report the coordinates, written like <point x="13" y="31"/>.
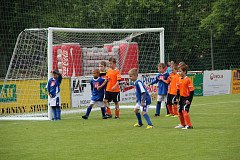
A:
<point x="169" y="104"/>
<point x="103" y="109"/>
<point x="158" y="106"/>
<point x="106" y="101"/>
<point x="145" y="115"/>
<point x="54" y="112"/>
<point x="116" y="99"/>
<point x="181" y="118"/>
<point x="88" y="110"/>
<point x="186" y="115"/>
<point x="58" y="112"/>
<point x="138" y="115"/>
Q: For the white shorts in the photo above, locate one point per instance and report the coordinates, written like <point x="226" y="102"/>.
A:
<point x="145" y="109"/>
<point x="162" y="97"/>
<point x="97" y="103"/>
<point x="56" y="101"/>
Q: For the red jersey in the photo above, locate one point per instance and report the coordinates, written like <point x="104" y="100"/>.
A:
<point x="185" y="86"/>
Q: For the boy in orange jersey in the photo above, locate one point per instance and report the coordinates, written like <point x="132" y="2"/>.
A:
<point x="186" y="91"/>
<point x="172" y="91"/>
<point x="112" y="93"/>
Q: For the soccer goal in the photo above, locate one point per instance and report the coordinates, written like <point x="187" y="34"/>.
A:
<point x="75" y="53"/>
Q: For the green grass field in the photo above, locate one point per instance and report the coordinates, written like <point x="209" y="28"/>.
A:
<point x="216" y="135"/>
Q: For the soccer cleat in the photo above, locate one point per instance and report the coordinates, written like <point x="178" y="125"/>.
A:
<point x="85" y="117"/>
<point x="174" y="115"/>
<point x="168" y="115"/>
<point x="149" y="127"/>
<point x="104" y="117"/>
<point x="179" y="126"/>
<point x="137" y="125"/>
<point x="188" y="127"/>
<point x="116" y="117"/>
<point x="156" y="115"/>
<point x="108" y="116"/>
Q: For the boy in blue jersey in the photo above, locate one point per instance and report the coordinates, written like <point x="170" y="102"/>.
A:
<point x="53" y="87"/>
<point x="97" y="95"/>
<point x="162" y="87"/>
<point x="143" y="99"/>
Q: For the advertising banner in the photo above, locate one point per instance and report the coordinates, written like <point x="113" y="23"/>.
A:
<point x="216" y="82"/>
<point x="23" y="96"/>
<point x="236" y="82"/>
<point x="197" y="80"/>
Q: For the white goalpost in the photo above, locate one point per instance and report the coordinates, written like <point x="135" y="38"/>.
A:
<point x="75" y="52"/>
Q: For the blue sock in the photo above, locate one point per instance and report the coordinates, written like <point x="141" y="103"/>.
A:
<point x="158" y="107"/>
<point x="88" y="110"/>
<point x="58" y="112"/>
<point x="138" y="115"/>
<point x="147" y="119"/>
<point x="103" y="109"/>
<point x="54" y="112"/>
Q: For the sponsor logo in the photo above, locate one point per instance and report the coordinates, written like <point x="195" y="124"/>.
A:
<point x="236" y="75"/>
<point x="43" y="91"/>
<point x="215" y="76"/>
<point x="8" y="93"/>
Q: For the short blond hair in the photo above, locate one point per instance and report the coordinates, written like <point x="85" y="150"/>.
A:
<point x="133" y="71"/>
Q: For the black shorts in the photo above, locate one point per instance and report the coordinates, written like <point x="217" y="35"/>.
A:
<point x="171" y="99"/>
<point x="183" y="105"/>
<point x="112" y="96"/>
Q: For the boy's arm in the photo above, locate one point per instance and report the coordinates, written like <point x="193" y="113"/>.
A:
<point x="154" y="81"/>
<point x="102" y="85"/>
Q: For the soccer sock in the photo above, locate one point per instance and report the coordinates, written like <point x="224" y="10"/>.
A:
<point x="170" y="109"/>
<point x="175" y="111"/>
<point x="181" y="118"/>
<point x="187" y="118"/>
<point x="58" y="112"/>
<point x="158" y="107"/>
<point x="109" y="111"/>
<point x="103" y="109"/>
<point x="54" y="112"/>
<point x="138" y="115"/>
<point x="167" y="108"/>
<point x="147" y="119"/>
<point x="117" y="112"/>
<point x="88" y="110"/>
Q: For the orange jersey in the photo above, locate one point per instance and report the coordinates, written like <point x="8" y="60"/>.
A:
<point x="113" y="75"/>
<point x="185" y="86"/>
<point x="173" y="80"/>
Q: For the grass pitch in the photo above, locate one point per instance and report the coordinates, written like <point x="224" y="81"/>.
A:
<point x="216" y="135"/>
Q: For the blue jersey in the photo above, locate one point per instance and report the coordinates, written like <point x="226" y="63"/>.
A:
<point x="169" y="70"/>
<point x="162" y="86"/>
<point x="139" y="90"/>
<point x="97" y="95"/>
<point x="53" y="86"/>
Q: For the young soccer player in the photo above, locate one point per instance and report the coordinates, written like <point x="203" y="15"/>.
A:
<point x="113" y="77"/>
<point x="143" y="99"/>
<point x="162" y="87"/>
<point x="97" y="95"/>
<point x="172" y="91"/>
<point x="186" y="91"/>
<point x="102" y="68"/>
<point x="53" y="87"/>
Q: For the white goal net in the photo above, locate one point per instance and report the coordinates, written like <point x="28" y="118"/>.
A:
<point x="75" y="53"/>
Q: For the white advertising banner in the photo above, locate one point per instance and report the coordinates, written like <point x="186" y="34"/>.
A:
<point x="81" y="89"/>
<point x="216" y="82"/>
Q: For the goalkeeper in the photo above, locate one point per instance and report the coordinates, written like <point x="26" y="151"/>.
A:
<point x="53" y="87"/>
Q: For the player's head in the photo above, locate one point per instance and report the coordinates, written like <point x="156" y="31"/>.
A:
<point x="174" y="68"/>
<point x="112" y="62"/>
<point x="102" y="66"/>
<point x="55" y="74"/>
<point x="161" y="67"/>
<point x="133" y="74"/>
<point x="181" y="64"/>
<point x="96" y="73"/>
<point x="183" y="70"/>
